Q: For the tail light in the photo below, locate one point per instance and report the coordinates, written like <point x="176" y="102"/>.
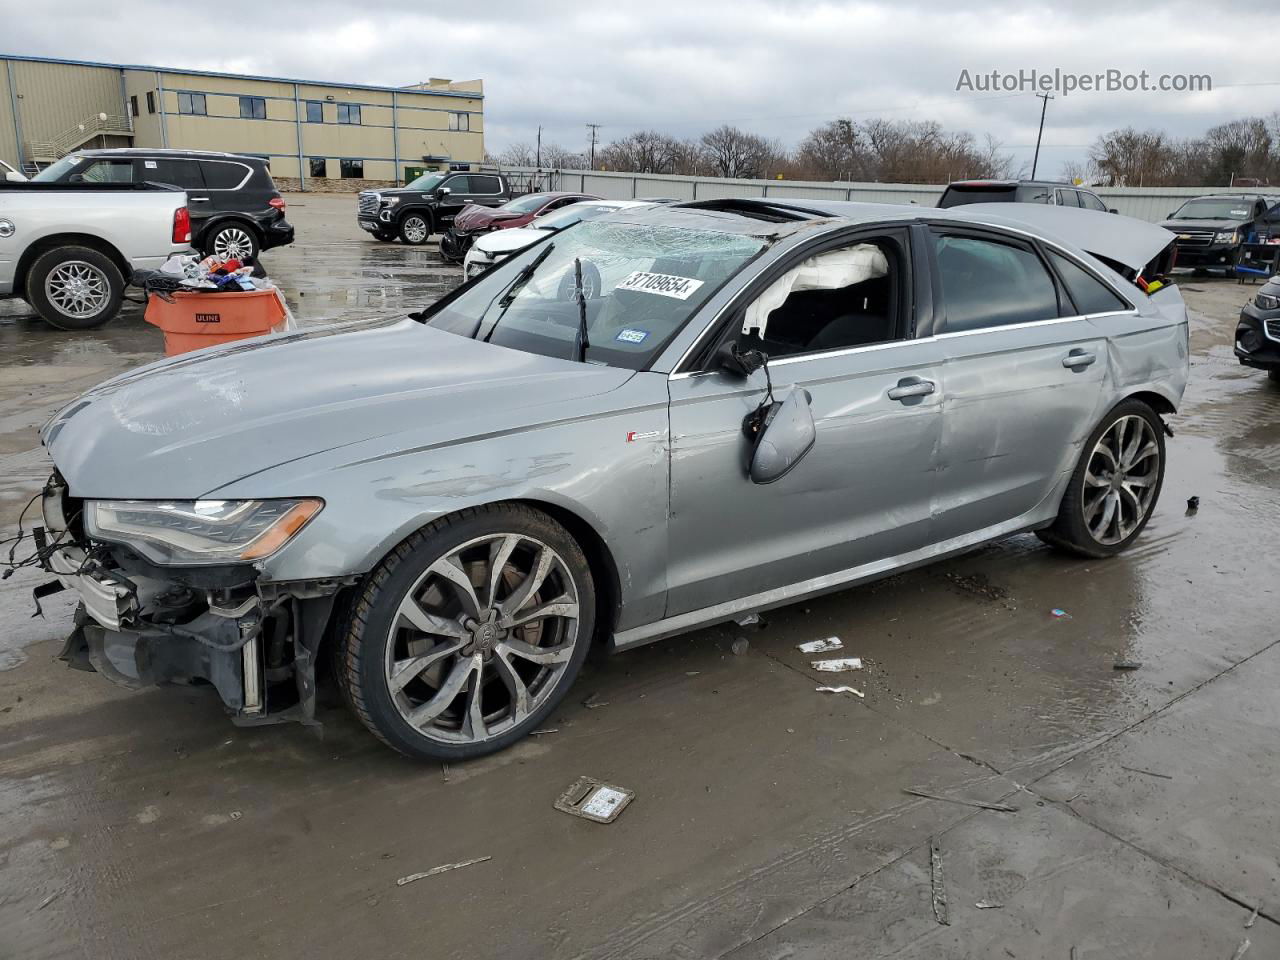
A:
<point x="182" y="225"/>
<point x="277" y="203"/>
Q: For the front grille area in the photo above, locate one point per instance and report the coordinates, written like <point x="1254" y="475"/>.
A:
<point x="367" y="204"/>
<point x="1194" y="238"/>
<point x="1272" y="328"/>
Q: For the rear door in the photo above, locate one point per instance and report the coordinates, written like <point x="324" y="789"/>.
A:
<point x="184" y="174"/>
<point x="1021" y="380"/>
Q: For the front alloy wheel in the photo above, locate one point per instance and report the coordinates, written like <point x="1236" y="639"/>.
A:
<point x="414" y="229"/>
<point x="466" y="643"/>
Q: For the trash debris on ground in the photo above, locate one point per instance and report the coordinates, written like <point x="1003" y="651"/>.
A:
<point x="1242" y="949"/>
<point x="444" y="772"/>
<point x="751" y="619"/>
<point x="1059" y="614"/>
<point x="693" y="673"/>
<point x="48" y="900"/>
<point x="1253" y="917"/>
<point x="543" y="733"/>
<point x="981" y="804"/>
<point x="594" y="800"/>
<point x="1193" y="504"/>
<point x="989" y="905"/>
<point x="838" y="665"/>
<point x="740" y="646"/>
<point x="1127" y="665"/>
<point x="1148" y="773"/>
<point x="443" y="868"/>
<point x="235" y="814"/>
<point x="936" y="881"/>
<point x="592" y="703"/>
<point x="820" y="646"/>
<point x="841" y="689"/>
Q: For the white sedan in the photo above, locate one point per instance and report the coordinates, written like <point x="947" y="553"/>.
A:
<point x="491" y="248"/>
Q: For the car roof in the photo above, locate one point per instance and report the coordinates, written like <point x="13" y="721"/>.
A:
<point x="1015" y="183"/>
<point x="162" y="152"/>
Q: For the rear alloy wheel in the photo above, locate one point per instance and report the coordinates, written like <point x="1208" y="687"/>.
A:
<point x="415" y="229"/>
<point x="469" y="633"/>
<point x="1115" y="485"/>
<point x="75" y="288"/>
<point x="233" y="242"/>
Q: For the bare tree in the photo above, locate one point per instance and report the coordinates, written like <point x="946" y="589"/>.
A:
<point x="518" y="155"/>
<point x="736" y="153"/>
<point x="833" y="151"/>
<point x="556" y="157"/>
<point x="647" y="151"/>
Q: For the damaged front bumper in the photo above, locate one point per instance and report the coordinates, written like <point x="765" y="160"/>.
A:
<point x="140" y="625"/>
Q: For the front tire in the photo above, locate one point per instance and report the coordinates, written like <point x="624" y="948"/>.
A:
<point x="415" y="228"/>
<point x="469" y="633"/>
<point x="75" y="288"/>
<point x="1115" y="486"/>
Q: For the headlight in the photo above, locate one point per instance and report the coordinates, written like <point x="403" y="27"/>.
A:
<point x="390" y="201"/>
<point x="199" y="532"/>
<point x="1227" y="236"/>
<point x="1267" y="301"/>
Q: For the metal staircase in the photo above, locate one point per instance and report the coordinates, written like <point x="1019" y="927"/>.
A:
<point x="47" y="151"/>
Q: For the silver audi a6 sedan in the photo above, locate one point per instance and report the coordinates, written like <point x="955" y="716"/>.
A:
<point x="753" y="402"/>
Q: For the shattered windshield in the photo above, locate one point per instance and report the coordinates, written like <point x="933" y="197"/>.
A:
<point x="640" y="284"/>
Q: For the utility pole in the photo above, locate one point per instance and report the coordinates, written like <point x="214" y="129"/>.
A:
<point x="593" y="127"/>
<point x="1043" y="107"/>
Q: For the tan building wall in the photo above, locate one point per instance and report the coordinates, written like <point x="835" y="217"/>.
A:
<point x="397" y="128"/>
<point x="52" y="98"/>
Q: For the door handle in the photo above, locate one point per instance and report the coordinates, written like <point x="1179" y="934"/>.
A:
<point x="1078" y="360"/>
<point x="909" y="387"/>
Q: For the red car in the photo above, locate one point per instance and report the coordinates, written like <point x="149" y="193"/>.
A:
<point x="474" y="219"/>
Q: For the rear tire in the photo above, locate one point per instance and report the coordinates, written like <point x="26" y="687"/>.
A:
<point x="440" y="657"/>
<point x="75" y="288"/>
<point x="415" y="228"/>
<point x="233" y="241"/>
<point x="1115" y="486"/>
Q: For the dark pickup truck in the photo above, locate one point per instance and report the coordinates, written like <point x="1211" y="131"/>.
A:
<point x="427" y="205"/>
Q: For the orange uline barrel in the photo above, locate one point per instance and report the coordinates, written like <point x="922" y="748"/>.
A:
<point x="196" y="320"/>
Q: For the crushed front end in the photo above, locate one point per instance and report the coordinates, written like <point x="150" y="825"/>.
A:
<point x="142" y="623"/>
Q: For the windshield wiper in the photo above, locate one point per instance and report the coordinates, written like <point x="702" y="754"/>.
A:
<point x="508" y="296"/>
<point x="580" y="342"/>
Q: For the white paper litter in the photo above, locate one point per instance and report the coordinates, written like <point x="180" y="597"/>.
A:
<point x="838" y="665"/>
<point x="841" y="689"/>
<point x="821" y="646"/>
<point x="603" y="802"/>
<point x="443" y="868"/>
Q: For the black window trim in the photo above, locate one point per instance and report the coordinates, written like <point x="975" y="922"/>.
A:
<point x="306" y="110"/>
<point x="311" y="169"/>
<point x="473" y="193"/>
<point x="358" y="122"/>
<point x="242" y="97"/>
<point x="697" y="359"/>
<point x="343" y="176"/>
<point x="193" y="112"/>
<point x="248" y="172"/>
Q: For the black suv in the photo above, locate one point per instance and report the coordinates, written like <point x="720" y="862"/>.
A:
<point x="236" y="210"/>
<point x="428" y="204"/>
<point x="1212" y="229"/>
<point x="1054" y="192"/>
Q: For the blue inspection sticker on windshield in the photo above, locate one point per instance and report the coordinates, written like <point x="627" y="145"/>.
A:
<point x="632" y="336"/>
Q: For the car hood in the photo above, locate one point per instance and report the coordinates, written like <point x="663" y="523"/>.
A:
<point x="184" y="427"/>
<point x="508" y="241"/>
<point x="1177" y="226"/>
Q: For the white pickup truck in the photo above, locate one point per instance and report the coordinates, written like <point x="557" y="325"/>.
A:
<point x="70" y="249"/>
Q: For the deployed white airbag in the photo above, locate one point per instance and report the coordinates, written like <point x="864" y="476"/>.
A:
<point x="824" y="271"/>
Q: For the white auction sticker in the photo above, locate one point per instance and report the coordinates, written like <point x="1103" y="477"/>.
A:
<point x="663" y="284"/>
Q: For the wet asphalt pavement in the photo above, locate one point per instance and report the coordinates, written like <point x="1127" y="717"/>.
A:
<point x="770" y="820"/>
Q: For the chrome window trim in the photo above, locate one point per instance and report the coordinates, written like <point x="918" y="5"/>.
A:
<point x="1048" y="244"/>
<point x="472" y="193"/>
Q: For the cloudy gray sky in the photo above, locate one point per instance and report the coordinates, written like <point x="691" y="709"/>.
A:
<point x="777" y="67"/>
